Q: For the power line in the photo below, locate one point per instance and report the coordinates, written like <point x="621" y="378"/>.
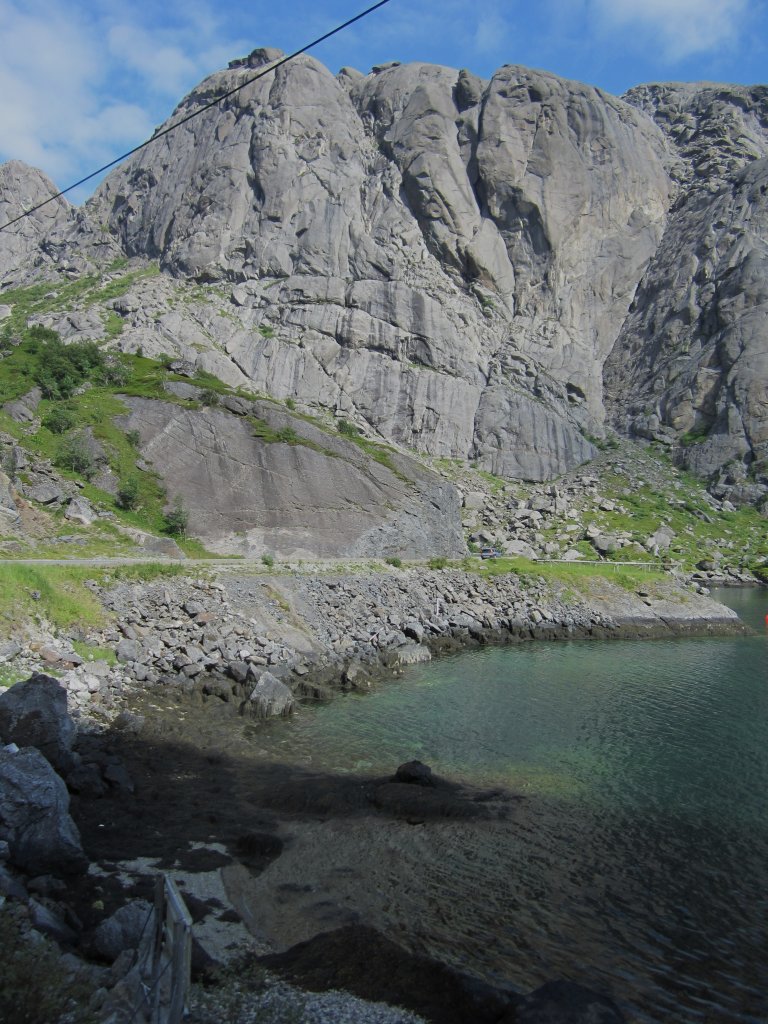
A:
<point x="202" y="110"/>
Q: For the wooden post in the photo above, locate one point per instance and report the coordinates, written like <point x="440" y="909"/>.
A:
<point x="157" y="949"/>
<point x="180" y="951"/>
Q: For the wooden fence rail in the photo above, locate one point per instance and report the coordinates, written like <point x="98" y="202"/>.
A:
<point x="172" y="954"/>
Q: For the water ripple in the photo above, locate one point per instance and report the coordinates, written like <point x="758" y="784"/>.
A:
<point x="640" y="861"/>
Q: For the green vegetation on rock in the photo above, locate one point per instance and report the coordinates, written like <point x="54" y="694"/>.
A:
<point x="59" y="595"/>
<point x="50" y="297"/>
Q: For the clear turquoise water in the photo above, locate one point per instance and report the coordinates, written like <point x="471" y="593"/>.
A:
<point x="639" y="863"/>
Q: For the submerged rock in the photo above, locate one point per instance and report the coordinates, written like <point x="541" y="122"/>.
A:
<point x="565" y="1002"/>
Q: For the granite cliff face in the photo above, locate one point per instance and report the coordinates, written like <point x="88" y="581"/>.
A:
<point x="454" y="264"/>
<point x="21" y="188"/>
<point x="691" y="359"/>
<point x="313" y="495"/>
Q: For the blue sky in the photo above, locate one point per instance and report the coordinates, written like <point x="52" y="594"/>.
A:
<point x="82" y="82"/>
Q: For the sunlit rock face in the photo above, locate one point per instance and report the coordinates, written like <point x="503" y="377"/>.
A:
<point x="473" y="269"/>
<point x="22" y="188"/>
<point x="448" y="258"/>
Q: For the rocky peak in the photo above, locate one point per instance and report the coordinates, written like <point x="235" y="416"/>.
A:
<point x="258" y="58"/>
<point x="714" y="129"/>
<point x="21" y="188"/>
<point x="450" y="262"/>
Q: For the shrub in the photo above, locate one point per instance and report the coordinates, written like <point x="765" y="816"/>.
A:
<point x="74" y="453"/>
<point x="35" y="987"/>
<point x="438" y="562"/>
<point x="268" y="560"/>
<point x="60" y="419"/>
<point x="40" y="335"/>
<point x="128" y="493"/>
<point x="61" y="368"/>
<point x="347" y="429"/>
<point x="209" y="397"/>
<point x="290" y="404"/>
<point x="177" y="520"/>
<point x="288" y="435"/>
<point x="114" y="373"/>
<point x="396" y="562"/>
<point x="133" y="437"/>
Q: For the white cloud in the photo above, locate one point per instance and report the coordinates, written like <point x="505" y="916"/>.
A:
<point x="164" y="68"/>
<point x="678" y="28"/>
<point x="83" y="83"/>
<point x="49" y="65"/>
<point x="491" y="33"/>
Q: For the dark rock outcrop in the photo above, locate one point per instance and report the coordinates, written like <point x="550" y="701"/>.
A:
<point x="565" y="1002"/>
<point x="34" y="714"/>
<point x="34" y="815"/>
<point x="366" y="963"/>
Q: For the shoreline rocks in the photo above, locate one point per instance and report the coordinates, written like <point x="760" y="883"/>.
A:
<point x="253" y="644"/>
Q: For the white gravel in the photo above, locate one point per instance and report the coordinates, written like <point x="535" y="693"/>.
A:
<point x="279" y="1003"/>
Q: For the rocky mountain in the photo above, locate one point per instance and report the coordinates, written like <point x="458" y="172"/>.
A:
<point x="495" y="271"/>
<point x="693" y="353"/>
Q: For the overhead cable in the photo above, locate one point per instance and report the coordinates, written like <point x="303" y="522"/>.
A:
<point x="201" y="110"/>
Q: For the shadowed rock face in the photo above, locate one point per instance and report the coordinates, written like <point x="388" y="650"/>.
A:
<point x="322" y="497"/>
<point x="452" y="260"/>
<point x="692" y="356"/>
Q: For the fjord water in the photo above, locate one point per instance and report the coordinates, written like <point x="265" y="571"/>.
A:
<point x="638" y="861"/>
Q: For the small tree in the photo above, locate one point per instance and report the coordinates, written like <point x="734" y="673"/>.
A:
<point x="176" y="520"/>
<point x="74" y="453"/>
<point x="60" y="419"/>
<point x="128" y="493"/>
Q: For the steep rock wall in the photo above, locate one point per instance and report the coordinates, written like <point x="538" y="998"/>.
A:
<point x="415" y="219"/>
<point x="691" y="360"/>
<point x="316" y="496"/>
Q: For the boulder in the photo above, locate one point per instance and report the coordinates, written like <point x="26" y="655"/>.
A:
<point x="414" y="773"/>
<point x="123" y="930"/>
<point x="49" y="923"/>
<point x="408" y="654"/>
<point x="572" y="555"/>
<point x="46" y="492"/>
<point x="23" y="409"/>
<point x="519" y="548"/>
<point x="34" y="816"/>
<point x="127" y="650"/>
<point x="269" y="698"/>
<point x="660" y="541"/>
<point x="604" y="544"/>
<point x="34" y="714"/>
<point x="79" y="510"/>
<point x="8" y="650"/>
